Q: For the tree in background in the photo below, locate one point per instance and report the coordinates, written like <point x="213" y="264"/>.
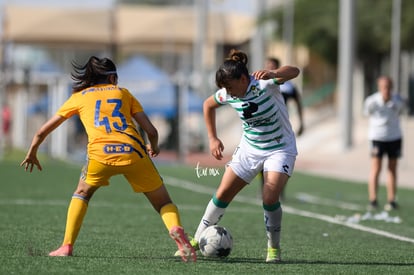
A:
<point x="316" y="27"/>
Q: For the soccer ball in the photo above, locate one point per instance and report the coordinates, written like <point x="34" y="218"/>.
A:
<point x="215" y="241"/>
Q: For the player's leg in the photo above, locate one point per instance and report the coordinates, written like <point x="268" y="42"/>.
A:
<point x="392" y="181"/>
<point x="229" y="186"/>
<point x="274" y="184"/>
<point x="237" y="175"/>
<point x="376" y="164"/>
<point x="147" y="180"/>
<point x="94" y="174"/>
<point x="278" y="168"/>
<point x="374" y="173"/>
<point x="162" y="203"/>
<point x="144" y="178"/>
<point x="375" y="170"/>
<point x="394" y="152"/>
<point x="76" y="212"/>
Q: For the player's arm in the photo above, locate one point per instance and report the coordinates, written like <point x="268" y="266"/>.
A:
<point x="298" y="101"/>
<point x="281" y="74"/>
<point x="369" y="107"/>
<point x="209" y="109"/>
<point x="142" y="119"/>
<point x="31" y="157"/>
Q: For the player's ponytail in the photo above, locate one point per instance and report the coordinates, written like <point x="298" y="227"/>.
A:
<point x="238" y="56"/>
<point x="95" y="71"/>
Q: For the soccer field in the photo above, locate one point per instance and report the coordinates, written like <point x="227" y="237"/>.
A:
<point x="325" y="229"/>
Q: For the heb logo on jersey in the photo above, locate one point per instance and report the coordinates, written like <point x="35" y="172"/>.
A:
<point x="118" y="149"/>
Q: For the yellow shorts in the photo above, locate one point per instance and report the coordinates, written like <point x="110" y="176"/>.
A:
<point x="141" y="175"/>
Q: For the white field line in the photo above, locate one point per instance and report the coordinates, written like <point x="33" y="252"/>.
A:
<point x="321" y="201"/>
<point x="206" y="190"/>
<point x="101" y="204"/>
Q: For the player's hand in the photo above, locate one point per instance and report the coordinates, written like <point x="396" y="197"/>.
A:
<point x="264" y="74"/>
<point x="216" y="148"/>
<point x="153" y="151"/>
<point x="29" y="162"/>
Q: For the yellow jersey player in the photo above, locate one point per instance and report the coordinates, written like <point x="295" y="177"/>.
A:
<point x="115" y="147"/>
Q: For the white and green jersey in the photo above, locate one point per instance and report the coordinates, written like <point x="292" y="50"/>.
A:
<point x="266" y="125"/>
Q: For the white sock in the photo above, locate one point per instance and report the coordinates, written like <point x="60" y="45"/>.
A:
<point x="273" y="221"/>
<point x="212" y="216"/>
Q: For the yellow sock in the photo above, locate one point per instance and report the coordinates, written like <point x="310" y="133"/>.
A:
<point x="170" y="216"/>
<point x="77" y="210"/>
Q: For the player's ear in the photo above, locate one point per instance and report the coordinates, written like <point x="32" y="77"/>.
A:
<point x="113" y="79"/>
<point x="246" y="79"/>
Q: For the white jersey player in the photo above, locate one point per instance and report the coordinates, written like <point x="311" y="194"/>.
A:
<point x="268" y="142"/>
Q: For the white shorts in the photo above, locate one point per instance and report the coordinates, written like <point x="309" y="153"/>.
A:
<point x="247" y="165"/>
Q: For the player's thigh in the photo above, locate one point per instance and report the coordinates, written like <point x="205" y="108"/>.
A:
<point x="277" y="169"/>
<point x="230" y="185"/>
<point x="95" y="173"/>
<point x="143" y="176"/>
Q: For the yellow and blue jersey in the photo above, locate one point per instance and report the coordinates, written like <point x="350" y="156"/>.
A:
<point x="106" y="112"/>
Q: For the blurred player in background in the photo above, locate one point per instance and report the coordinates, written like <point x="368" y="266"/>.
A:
<point x="289" y="92"/>
<point x="6" y="128"/>
<point x="384" y="109"/>
<point x="115" y="147"/>
<point x="268" y="142"/>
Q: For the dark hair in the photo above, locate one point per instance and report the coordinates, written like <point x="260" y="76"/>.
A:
<point x="233" y="67"/>
<point x="95" y="71"/>
<point x="275" y="61"/>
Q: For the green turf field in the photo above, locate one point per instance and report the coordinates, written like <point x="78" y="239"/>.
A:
<point x="325" y="226"/>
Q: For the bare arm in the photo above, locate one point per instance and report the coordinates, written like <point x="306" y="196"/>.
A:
<point x="298" y="102"/>
<point x="31" y="157"/>
<point x="142" y="119"/>
<point x="282" y="74"/>
<point x="209" y="109"/>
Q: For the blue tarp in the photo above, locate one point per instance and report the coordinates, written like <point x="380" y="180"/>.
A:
<point x="150" y="85"/>
<point x="153" y="88"/>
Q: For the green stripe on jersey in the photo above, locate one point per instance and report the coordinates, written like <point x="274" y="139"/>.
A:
<point x="262" y="133"/>
<point x="251" y="99"/>
<point x="277" y="146"/>
<point x="263" y="141"/>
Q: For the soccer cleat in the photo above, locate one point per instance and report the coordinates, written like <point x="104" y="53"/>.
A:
<point x="193" y="243"/>
<point x="185" y="249"/>
<point x="63" y="251"/>
<point x="273" y="255"/>
<point x="391" y="206"/>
